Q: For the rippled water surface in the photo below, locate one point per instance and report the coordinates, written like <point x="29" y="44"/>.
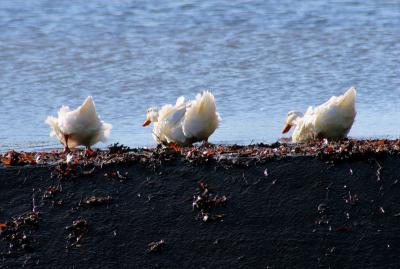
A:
<point x="260" y="58"/>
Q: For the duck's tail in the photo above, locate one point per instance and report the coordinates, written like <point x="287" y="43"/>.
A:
<point x="88" y="112"/>
<point x="205" y="103"/>
<point x="88" y="105"/>
<point x="348" y="99"/>
<point x="201" y="118"/>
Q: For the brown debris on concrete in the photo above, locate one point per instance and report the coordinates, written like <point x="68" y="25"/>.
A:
<point x="206" y="202"/>
<point x="77" y="231"/>
<point x="17" y="232"/>
<point x="225" y="154"/>
<point x="98" y="200"/>
<point x="156" y="246"/>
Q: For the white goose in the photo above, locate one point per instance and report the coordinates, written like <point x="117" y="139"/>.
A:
<point x="332" y="120"/>
<point x="81" y="126"/>
<point x="185" y="122"/>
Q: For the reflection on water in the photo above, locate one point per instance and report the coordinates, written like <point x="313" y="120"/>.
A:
<point x="260" y="59"/>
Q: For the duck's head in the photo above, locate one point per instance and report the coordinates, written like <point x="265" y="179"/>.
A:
<point x="291" y="120"/>
<point x="151" y="116"/>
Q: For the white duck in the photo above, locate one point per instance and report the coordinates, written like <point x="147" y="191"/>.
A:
<point x="332" y="120"/>
<point x="81" y="126"/>
<point x="185" y="122"/>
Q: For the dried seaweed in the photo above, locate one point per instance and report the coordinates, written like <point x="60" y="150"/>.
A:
<point x="118" y="149"/>
<point x="17" y="232"/>
<point x="226" y="156"/>
<point x="323" y="217"/>
<point x="98" y="200"/>
<point x="77" y="231"/>
<point x="64" y="171"/>
<point x="18" y="158"/>
<point x="205" y="202"/>
<point x="155" y="247"/>
<point x="51" y="192"/>
<point x="117" y="176"/>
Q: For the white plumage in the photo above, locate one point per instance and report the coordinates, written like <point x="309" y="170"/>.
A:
<point x="333" y="119"/>
<point x="81" y="126"/>
<point x="185" y="122"/>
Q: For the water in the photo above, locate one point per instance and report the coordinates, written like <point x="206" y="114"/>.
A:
<point x="260" y="59"/>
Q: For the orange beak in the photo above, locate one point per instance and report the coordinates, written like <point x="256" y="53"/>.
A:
<point x="286" y="128"/>
<point x="146" y="123"/>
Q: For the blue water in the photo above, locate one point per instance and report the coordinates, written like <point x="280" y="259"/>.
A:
<point x="260" y="59"/>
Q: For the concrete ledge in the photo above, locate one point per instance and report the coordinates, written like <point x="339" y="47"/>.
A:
<point x="281" y="212"/>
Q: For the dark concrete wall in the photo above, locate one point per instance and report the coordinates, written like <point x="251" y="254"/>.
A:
<point x="269" y="221"/>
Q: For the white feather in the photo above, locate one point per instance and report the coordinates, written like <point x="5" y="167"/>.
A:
<point x="333" y="119"/>
<point x="201" y="119"/>
<point x="187" y="122"/>
<point x="83" y="125"/>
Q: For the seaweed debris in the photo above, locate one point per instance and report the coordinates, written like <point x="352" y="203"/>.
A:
<point x="51" y="192"/>
<point x="118" y="149"/>
<point x="226" y="155"/>
<point x="116" y="175"/>
<point x="64" y="171"/>
<point x="17" y="232"/>
<point x="77" y="230"/>
<point x="357" y="149"/>
<point x="206" y="202"/>
<point x="323" y="214"/>
<point x="18" y="158"/>
<point x="98" y="200"/>
<point x="156" y="246"/>
<point x="14" y="158"/>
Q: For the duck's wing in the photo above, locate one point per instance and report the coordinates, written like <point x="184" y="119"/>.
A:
<point x="168" y="110"/>
<point x="335" y="117"/>
<point x="305" y="126"/>
<point x="165" y="112"/>
<point x="345" y="101"/>
<point x="159" y="129"/>
<point x="171" y="125"/>
<point x="201" y="118"/>
<point x="177" y="116"/>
